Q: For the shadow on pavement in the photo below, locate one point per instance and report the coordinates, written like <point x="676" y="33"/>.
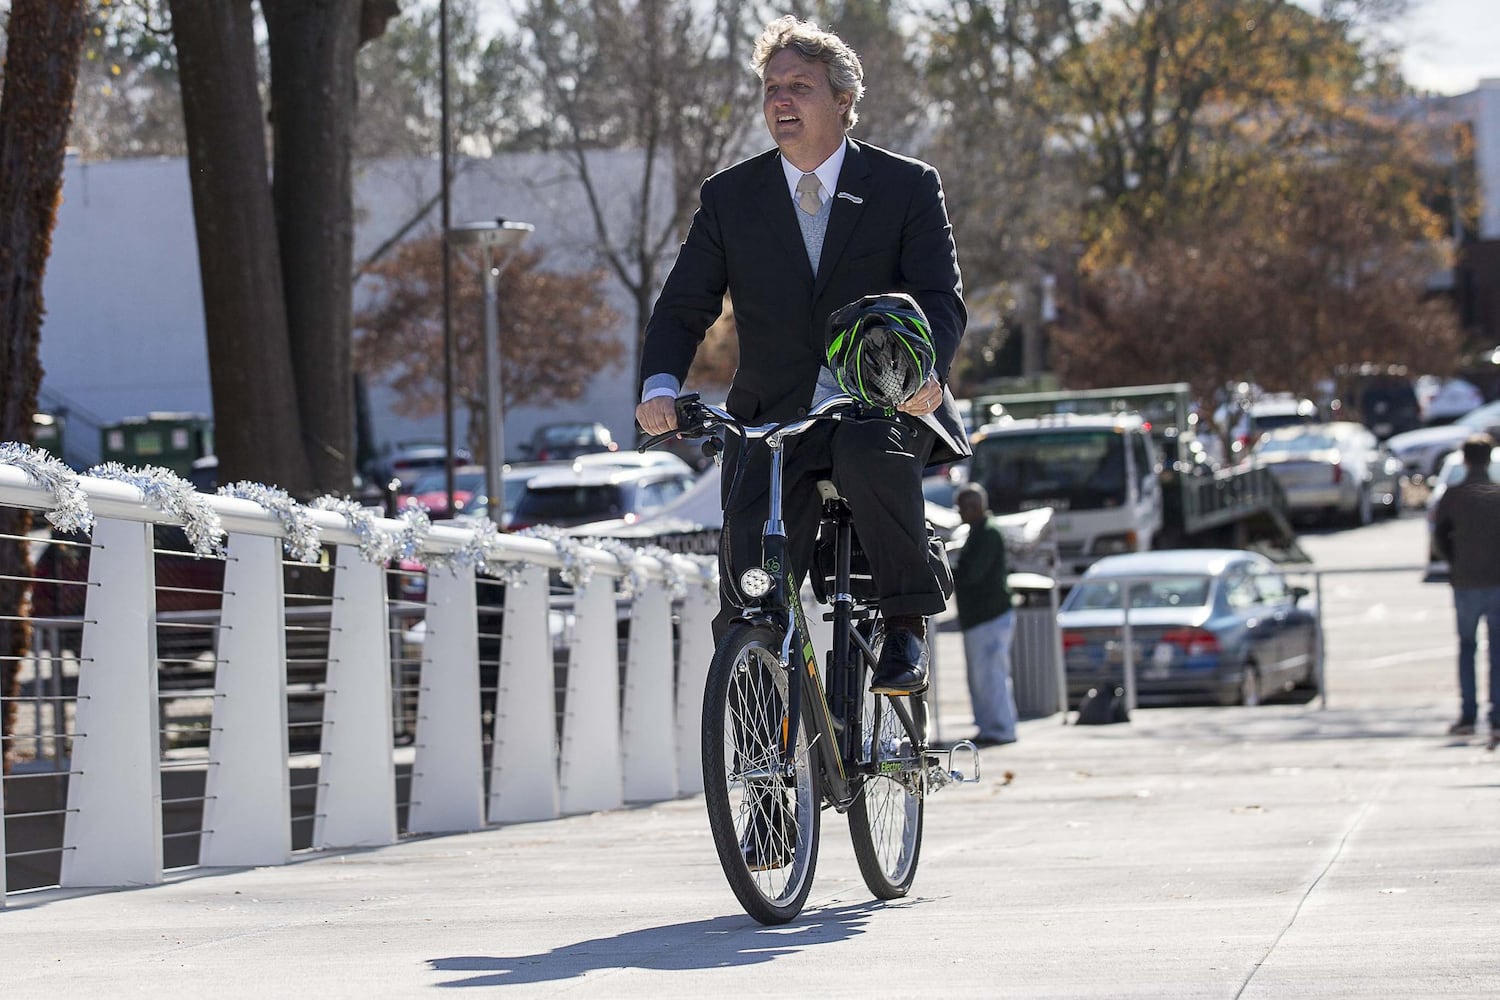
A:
<point x="1289" y="722"/>
<point x="702" y="944"/>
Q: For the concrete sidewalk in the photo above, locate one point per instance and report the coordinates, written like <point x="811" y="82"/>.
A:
<point x="1280" y="851"/>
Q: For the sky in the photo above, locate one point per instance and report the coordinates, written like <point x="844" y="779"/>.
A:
<point x="1450" y="45"/>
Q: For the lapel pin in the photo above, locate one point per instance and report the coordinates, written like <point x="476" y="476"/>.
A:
<point x="850" y="197"/>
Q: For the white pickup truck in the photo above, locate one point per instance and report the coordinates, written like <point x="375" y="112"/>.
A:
<point x="1099" y="474"/>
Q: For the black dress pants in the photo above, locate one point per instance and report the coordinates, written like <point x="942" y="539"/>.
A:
<point x="876" y="464"/>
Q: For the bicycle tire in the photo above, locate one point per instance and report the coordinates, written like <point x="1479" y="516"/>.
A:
<point x="774" y="817"/>
<point x="885" y="820"/>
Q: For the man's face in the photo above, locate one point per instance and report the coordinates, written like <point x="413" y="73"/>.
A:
<point x="970" y="509"/>
<point x="805" y="116"/>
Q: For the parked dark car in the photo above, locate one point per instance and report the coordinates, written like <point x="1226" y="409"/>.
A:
<point x="1383" y="398"/>
<point x="552" y="442"/>
<point x="1206" y="624"/>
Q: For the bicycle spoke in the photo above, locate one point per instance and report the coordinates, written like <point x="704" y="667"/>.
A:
<point x="769" y="793"/>
<point x="886" y="822"/>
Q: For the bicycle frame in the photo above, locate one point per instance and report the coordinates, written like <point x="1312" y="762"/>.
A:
<point x="838" y="743"/>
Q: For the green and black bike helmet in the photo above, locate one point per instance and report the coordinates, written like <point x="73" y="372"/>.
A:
<point x="880" y="349"/>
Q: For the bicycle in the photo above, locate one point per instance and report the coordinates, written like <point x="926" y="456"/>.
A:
<point x="776" y="752"/>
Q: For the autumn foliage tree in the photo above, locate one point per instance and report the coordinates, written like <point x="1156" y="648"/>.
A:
<point x="1300" y="274"/>
<point x="557" y="332"/>
<point x="1255" y="201"/>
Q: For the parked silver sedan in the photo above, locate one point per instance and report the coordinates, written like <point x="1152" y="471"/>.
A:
<point x="1336" y="470"/>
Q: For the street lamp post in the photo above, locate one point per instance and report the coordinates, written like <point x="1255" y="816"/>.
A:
<point x="499" y="234"/>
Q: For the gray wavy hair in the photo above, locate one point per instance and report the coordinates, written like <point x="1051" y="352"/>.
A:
<point x="845" y="74"/>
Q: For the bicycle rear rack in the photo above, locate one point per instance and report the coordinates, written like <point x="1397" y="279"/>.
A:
<point x="939" y="774"/>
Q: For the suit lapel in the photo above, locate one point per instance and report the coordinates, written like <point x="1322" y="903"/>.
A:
<point x="854" y="181"/>
<point x="780" y="215"/>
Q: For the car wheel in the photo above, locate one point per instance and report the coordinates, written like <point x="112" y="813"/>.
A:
<point x="1249" y="686"/>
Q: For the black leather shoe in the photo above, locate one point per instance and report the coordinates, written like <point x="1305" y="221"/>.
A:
<point x="770" y="837"/>
<point x="903" y="664"/>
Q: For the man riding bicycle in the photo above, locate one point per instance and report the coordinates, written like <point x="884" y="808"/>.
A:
<point x="792" y="235"/>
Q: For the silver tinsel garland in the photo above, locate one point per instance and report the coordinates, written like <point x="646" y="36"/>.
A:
<point x="475" y="554"/>
<point x="375" y="545"/>
<point x="303" y="537"/>
<point x="634" y="578"/>
<point x="416" y="525"/>
<point x="171" y="494"/>
<point x="672" y="569"/>
<point x="576" y="570"/>
<point x="72" y="513"/>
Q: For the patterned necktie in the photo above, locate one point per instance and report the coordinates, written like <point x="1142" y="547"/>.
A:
<point x="807" y="194"/>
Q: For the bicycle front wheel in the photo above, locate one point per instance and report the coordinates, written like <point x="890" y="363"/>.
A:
<point x="885" y="821"/>
<point x="763" y="804"/>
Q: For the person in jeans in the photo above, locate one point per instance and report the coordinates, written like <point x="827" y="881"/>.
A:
<point x="1466" y="532"/>
<point x="985" y="615"/>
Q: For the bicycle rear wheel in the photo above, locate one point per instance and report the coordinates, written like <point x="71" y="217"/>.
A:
<point x="885" y="821"/>
<point x="764" y="815"/>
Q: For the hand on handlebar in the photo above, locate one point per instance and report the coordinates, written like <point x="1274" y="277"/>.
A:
<point x="657" y="415"/>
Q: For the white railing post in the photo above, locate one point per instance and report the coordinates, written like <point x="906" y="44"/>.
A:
<point x="247" y="799"/>
<point x="447" y="777"/>
<point x="695" y="650"/>
<point x="590" y="778"/>
<point x="649" y="736"/>
<point x="112" y="830"/>
<point x="357" y="776"/>
<point x="523" y="763"/>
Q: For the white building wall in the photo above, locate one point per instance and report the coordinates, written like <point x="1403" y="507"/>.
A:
<point x="1487" y="156"/>
<point x="123" y="329"/>
<point x="123" y="332"/>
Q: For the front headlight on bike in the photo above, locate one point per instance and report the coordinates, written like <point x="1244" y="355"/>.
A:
<point x="755" y="582"/>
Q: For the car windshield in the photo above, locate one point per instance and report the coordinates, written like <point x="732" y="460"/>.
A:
<point x="1166" y="592"/>
<point x="1068" y="470"/>
<point x="1295" y="443"/>
<point x="559" y="502"/>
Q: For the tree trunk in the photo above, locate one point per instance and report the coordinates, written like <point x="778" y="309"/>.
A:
<point x="313" y="45"/>
<point x="45" y="39"/>
<point x="257" y="420"/>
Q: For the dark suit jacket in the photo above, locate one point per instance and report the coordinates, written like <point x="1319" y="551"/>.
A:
<point x="888" y="231"/>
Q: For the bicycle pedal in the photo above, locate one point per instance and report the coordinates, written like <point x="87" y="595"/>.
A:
<point x="940" y="774"/>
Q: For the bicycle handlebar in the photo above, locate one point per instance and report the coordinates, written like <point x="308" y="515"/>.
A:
<point x="696" y="418"/>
